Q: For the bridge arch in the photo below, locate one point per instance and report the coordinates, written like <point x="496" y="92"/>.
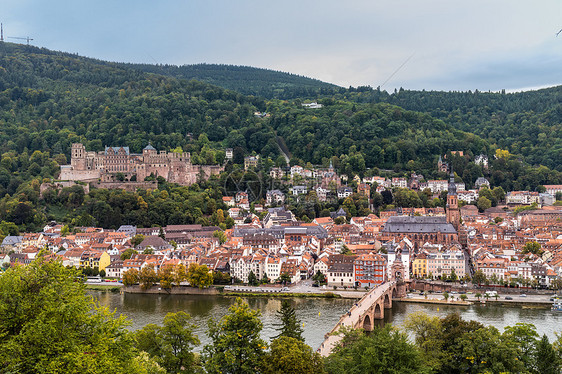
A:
<point x="387" y="301"/>
<point x="367" y="323"/>
<point x="378" y="311"/>
<point x="394" y="293"/>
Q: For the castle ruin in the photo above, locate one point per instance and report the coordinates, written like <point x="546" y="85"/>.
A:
<point x="117" y="164"/>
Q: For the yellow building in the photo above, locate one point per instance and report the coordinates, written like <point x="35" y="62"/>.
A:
<point x="99" y="260"/>
<point x="419" y="266"/>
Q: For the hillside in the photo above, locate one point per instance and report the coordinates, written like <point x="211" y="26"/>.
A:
<point x="526" y="123"/>
<point x="247" y="80"/>
<point x="48" y="100"/>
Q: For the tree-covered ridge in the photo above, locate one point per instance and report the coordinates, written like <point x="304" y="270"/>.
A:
<point x="49" y="100"/>
<point x="525" y="123"/>
<point x="386" y="136"/>
<point x="247" y="80"/>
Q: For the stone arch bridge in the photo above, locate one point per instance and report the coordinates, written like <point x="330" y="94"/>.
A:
<point x="363" y="314"/>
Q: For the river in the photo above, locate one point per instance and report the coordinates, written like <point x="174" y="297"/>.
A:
<point x="317" y="315"/>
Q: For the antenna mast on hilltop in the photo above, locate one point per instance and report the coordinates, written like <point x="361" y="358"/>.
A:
<point x="1" y="32"/>
<point x="17" y="37"/>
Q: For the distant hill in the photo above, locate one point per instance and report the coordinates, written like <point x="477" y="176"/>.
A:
<point x="48" y="100"/>
<point x="247" y="80"/>
<point x="526" y="123"/>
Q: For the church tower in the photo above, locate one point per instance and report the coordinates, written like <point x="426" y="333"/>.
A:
<point x="453" y="212"/>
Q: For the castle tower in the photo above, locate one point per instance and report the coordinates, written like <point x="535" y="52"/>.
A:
<point x="453" y="212"/>
<point x="78" y="156"/>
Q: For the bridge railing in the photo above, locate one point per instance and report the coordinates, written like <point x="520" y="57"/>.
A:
<point x="356" y="305"/>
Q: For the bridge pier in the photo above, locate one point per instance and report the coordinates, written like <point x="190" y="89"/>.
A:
<point x="365" y="313"/>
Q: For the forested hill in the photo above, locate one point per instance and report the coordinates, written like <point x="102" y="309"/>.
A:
<point x="48" y="100"/>
<point x="247" y="80"/>
<point x="525" y="123"/>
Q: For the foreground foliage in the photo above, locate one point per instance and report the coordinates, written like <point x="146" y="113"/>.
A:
<point x="49" y="325"/>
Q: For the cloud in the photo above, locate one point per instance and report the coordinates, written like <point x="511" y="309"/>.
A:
<point x="455" y="45"/>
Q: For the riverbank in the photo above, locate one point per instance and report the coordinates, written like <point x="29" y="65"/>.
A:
<point x="433" y="301"/>
<point x="323" y="295"/>
<point x="103" y="288"/>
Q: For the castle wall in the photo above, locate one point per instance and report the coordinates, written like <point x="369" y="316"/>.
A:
<point x="127" y="186"/>
<point x="69" y="174"/>
<point x="174" y="167"/>
<point x="60" y="185"/>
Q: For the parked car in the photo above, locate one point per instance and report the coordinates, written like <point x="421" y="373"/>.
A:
<point x="509" y="298"/>
<point x="523" y="295"/>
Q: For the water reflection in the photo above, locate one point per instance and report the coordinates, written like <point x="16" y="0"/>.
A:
<point x="318" y="315"/>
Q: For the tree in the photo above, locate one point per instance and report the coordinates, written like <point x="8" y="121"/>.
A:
<point x="128" y="253"/>
<point x="483" y="203"/>
<point x="525" y="336"/>
<point x="291" y="356"/>
<point x="546" y="359"/>
<point x="49" y="325"/>
<point x="453" y="276"/>
<point x="199" y="276"/>
<point x="532" y="247"/>
<point x="130" y="277"/>
<point x="290" y="326"/>
<point x="252" y="279"/>
<point x="236" y="345"/>
<point x="220" y="235"/>
<point x="319" y="278"/>
<point x="446" y="296"/>
<point x="180" y="274"/>
<point x="479" y="277"/>
<point x="221" y="278"/>
<point x="428" y="335"/>
<point x="137" y="239"/>
<point x="285" y="278"/>
<point x="385" y="350"/>
<point x="265" y="279"/>
<point x="171" y="344"/>
<point x="483" y="350"/>
<point x="166" y="276"/>
<point x="147" y="277"/>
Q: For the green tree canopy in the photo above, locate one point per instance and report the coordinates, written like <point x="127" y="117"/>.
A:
<point x="384" y="350"/>
<point x="290" y="326"/>
<point x="170" y="344"/>
<point x="291" y="356"/>
<point x="236" y="345"/>
<point x="49" y="325"/>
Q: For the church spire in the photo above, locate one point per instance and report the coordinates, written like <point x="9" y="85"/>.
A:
<point x="452" y="189"/>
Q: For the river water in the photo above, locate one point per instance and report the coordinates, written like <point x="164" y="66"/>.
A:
<point x="317" y="315"/>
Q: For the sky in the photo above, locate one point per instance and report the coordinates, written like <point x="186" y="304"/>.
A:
<point x="487" y="45"/>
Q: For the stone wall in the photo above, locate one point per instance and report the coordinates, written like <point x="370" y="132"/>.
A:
<point x="60" y="185"/>
<point x="127" y="186"/>
<point x="67" y="173"/>
<point x="156" y="290"/>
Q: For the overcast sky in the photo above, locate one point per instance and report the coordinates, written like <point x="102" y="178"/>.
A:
<point x="415" y="44"/>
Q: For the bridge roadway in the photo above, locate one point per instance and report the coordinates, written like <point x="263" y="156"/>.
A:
<point x="361" y="315"/>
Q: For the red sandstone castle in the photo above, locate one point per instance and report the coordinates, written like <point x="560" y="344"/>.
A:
<point x="117" y="164"/>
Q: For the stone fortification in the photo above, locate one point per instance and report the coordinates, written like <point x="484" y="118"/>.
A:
<point x="117" y="164"/>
